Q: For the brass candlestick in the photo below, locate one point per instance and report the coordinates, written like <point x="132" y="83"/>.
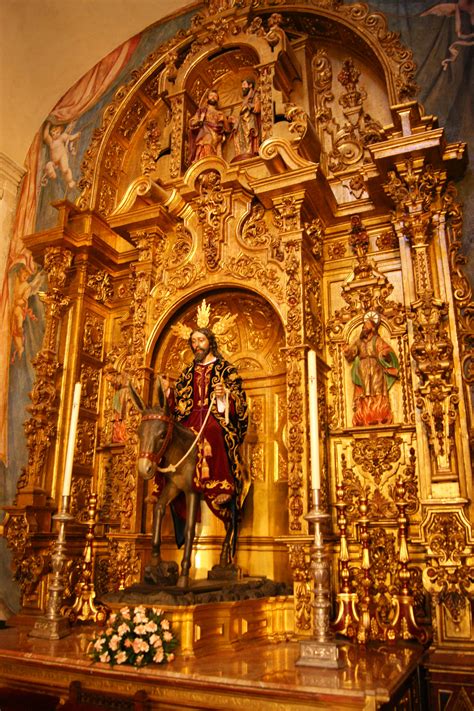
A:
<point x="347" y="618"/>
<point x="84" y="607"/>
<point x="363" y="630"/>
<point x="403" y="623"/>
<point x="321" y="650"/>
<point x="53" y="625"/>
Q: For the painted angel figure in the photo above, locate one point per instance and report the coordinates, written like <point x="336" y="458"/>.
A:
<point x="60" y="141"/>
<point x="23" y="288"/>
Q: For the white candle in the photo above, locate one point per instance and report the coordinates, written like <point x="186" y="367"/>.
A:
<point x="313" y="421"/>
<point x="72" y="440"/>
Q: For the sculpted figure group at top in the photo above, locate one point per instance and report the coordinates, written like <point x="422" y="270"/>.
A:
<point x="210" y="127"/>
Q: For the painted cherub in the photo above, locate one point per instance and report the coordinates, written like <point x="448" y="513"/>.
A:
<point x="22" y="290"/>
<point x="60" y="142"/>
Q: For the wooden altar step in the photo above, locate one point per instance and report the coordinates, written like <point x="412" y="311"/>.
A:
<point x="260" y="675"/>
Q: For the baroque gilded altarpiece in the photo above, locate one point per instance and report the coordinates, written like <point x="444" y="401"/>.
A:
<point x="350" y="207"/>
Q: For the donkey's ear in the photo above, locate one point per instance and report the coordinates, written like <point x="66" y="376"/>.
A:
<point x="136" y="398"/>
<point x="161" y="395"/>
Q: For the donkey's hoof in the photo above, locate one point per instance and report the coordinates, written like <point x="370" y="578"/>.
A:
<point x="163" y="573"/>
<point x="183" y="581"/>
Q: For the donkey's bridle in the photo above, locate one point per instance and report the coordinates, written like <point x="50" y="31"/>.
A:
<point x="165" y="418"/>
<point x="156" y="456"/>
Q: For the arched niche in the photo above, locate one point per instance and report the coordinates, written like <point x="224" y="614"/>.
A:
<point x="254" y="344"/>
<point x="145" y="117"/>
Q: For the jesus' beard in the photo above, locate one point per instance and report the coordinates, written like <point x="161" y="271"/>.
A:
<point x="200" y="354"/>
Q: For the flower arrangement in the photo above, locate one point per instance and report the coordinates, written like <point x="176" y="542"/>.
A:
<point x="135" y="636"/>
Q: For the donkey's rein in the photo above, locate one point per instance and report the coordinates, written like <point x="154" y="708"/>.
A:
<point x="156" y="457"/>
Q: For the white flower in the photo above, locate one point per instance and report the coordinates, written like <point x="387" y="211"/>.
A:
<point x="159" y="656"/>
<point x="125" y="612"/>
<point x="140" y="629"/>
<point x="121" y="657"/>
<point x="99" y="643"/>
<point x="109" y="631"/>
<point x="104" y="657"/>
<point x="167" y="636"/>
<point x="165" y="624"/>
<point x="151" y="626"/>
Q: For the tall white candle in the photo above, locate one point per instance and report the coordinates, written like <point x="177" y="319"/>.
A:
<point x="313" y="421"/>
<point x="72" y="440"/>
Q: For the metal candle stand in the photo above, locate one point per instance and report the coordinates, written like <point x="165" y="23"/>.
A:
<point x="321" y="650"/>
<point x="53" y="625"/>
<point x="84" y="607"/>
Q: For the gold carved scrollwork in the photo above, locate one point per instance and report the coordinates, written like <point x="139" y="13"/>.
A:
<point x="100" y="283"/>
<point x="449" y="575"/>
<point x="28" y="567"/>
<point x="85" y="446"/>
<point x="300" y="567"/>
<point x="286" y="214"/>
<point x="379" y="460"/>
<point x="461" y="288"/>
<point x="41" y="428"/>
<point x="315" y="232"/>
<point x="80" y="493"/>
<point x="248" y="269"/>
<point x="93" y="338"/>
<point x="107" y="197"/>
<point x="124" y="565"/>
<point x="177" y="105"/>
<point x="314" y="329"/>
<point x="113" y="159"/>
<point x="182" y="246"/>
<point x="436" y="396"/>
<point x="415" y="190"/>
<point x="90" y="379"/>
<point x="294" y="326"/>
<point x="295" y="383"/>
<point x="347" y="144"/>
<point x="151" y="153"/>
<point x="211" y="207"/>
<point x="255" y="232"/>
<point x="132" y="119"/>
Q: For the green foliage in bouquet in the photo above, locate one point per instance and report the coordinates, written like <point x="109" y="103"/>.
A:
<point x="135" y="636"/>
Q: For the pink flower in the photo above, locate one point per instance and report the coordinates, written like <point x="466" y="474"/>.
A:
<point x="151" y="626"/>
<point x="123" y="629"/>
<point x="112" y="618"/>
<point x="99" y="643"/>
<point x="121" y="657"/>
<point x="128" y="642"/>
<point x="140" y="629"/>
<point x="165" y="624"/>
<point x="159" y="656"/>
<point x="114" y="642"/>
<point x="109" y="631"/>
<point x="167" y="636"/>
<point x="104" y="657"/>
<point x="125" y="612"/>
<point x="137" y="645"/>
